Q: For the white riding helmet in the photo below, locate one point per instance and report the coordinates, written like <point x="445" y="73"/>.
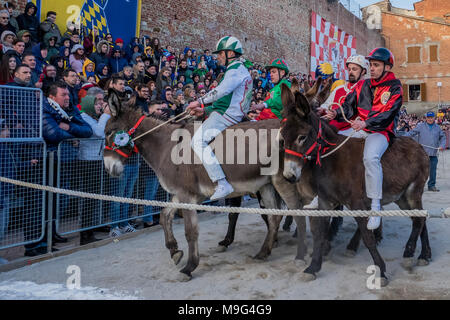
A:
<point x="360" y="61"/>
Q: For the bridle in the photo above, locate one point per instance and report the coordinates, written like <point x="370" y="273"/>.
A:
<point x="123" y="139"/>
<point x="320" y="143"/>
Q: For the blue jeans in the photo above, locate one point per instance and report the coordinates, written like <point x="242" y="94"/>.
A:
<point x="151" y="187"/>
<point x="123" y="187"/>
<point x="433" y="167"/>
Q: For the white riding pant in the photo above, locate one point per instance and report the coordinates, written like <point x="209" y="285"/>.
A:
<point x="210" y="129"/>
<point x="375" y="146"/>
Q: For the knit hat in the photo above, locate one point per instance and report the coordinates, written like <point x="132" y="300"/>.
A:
<point x="119" y="40"/>
<point x="179" y="92"/>
<point x="76" y="47"/>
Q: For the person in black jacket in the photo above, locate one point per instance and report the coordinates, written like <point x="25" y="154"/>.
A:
<point x="70" y="78"/>
<point x="29" y="21"/>
<point x="4" y="22"/>
<point x="142" y="98"/>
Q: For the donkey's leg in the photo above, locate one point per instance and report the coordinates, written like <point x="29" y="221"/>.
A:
<point x="425" y="255"/>
<point x="369" y="240"/>
<point x="232" y="220"/>
<point x="273" y="222"/>
<point x="301" y="240"/>
<point x="417" y="226"/>
<point x="166" y="218"/>
<point x="287" y="223"/>
<point x="319" y="229"/>
<point x="353" y="245"/>
<point x="191" y="232"/>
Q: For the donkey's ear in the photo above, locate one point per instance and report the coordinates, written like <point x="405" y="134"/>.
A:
<point x="302" y="105"/>
<point x="295" y="86"/>
<point x="324" y="93"/>
<point x="287" y="97"/>
<point x="306" y="86"/>
<point x="115" y="105"/>
<point x="311" y="93"/>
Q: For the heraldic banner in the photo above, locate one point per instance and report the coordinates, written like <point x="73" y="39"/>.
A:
<point x="330" y="44"/>
<point x="121" y="18"/>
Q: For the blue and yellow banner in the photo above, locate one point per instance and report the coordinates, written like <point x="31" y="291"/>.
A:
<point x="121" y="18"/>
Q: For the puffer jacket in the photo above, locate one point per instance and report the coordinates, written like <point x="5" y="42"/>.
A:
<point x="53" y="134"/>
<point x="97" y="57"/>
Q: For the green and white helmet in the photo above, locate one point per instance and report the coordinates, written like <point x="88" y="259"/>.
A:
<point x="229" y="43"/>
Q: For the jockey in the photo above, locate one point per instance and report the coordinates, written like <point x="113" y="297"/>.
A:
<point x="272" y="107"/>
<point x="376" y="102"/>
<point x="358" y="68"/>
<point x="230" y="103"/>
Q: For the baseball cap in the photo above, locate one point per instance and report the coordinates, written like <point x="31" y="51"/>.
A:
<point x="430" y="114"/>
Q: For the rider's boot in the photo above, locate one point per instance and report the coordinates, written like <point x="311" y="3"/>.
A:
<point x="374" y="222"/>
<point x="223" y="189"/>
<point x="314" y="204"/>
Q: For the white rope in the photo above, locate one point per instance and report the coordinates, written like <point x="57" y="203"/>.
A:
<point x="188" y="206"/>
<point x="159" y="126"/>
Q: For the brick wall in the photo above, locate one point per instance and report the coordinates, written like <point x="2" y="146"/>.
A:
<point x="266" y="28"/>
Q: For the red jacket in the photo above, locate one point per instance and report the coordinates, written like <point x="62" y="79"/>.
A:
<point x="340" y="94"/>
<point x="376" y="103"/>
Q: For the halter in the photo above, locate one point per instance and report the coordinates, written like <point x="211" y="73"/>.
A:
<point x="321" y="144"/>
<point x="123" y="139"/>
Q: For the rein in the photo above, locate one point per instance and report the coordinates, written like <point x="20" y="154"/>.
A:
<point x="123" y="139"/>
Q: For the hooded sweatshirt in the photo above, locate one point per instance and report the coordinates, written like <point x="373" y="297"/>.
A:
<point x="117" y="64"/>
<point x="30" y="23"/>
<point x="86" y="74"/>
<point x="52" y="51"/>
<point x="28" y="45"/>
<point x="40" y="61"/>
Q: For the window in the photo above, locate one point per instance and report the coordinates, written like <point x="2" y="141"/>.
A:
<point x="434" y="53"/>
<point x="413" y="55"/>
<point x="414" y="92"/>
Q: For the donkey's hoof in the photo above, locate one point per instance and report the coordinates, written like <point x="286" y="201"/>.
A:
<point x="183" y="277"/>
<point x="384" y="282"/>
<point x="300" y="263"/>
<point x="221" y="249"/>
<point x="307" y="277"/>
<point x="350" y="253"/>
<point x="408" y="263"/>
<point x="422" y="262"/>
<point x="176" y="257"/>
<point x="261" y="256"/>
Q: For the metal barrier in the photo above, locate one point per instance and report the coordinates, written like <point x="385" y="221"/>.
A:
<point x="22" y="214"/>
<point x="80" y="167"/>
<point x="21" y="111"/>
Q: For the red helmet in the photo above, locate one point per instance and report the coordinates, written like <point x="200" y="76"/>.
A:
<point x="382" y="54"/>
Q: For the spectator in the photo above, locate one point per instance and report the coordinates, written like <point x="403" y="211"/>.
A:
<point x="58" y="63"/>
<point x="153" y="92"/>
<point x="64" y="52"/>
<point x="40" y="52"/>
<point x="431" y="137"/>
<point x="50" y="27"/>
<point x="30" y="60"/>
<point x="189" y="94"/>
<point x="50" y="40"/>
<point x="77" y="58"/>
<point x="29" y="21"/>
<point x="7" y="68"/>
<point x="102" y="72"/>
<point x="139" y="72"/>
<point x="17" y="51"/>
<point x="156" y="46"/>
<point x="163" y="79"/>
<point x="101" y="55"/>
<point x="143" y="97"/>
<point x="12" y="19"/>
<point x="117" y="62"/>
<point x="96" y="113"/>
<point x="151" y="74"/>
<point x="7" y="39"/>
<point x="75" y="39"/>
<point x="22" y="76"/>
<point x="49" y="78"/>
<point x="4" y="22"/>
<point x="25" y="36"/>
<point x="127" y="75"/>
<point x="88" y="71"/>
<point x="70" y="79"/>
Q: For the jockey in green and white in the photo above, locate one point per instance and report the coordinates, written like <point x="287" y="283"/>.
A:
<point x="231" y="101"/>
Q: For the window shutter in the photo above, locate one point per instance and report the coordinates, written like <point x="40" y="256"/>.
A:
<point x="433" y="53"/>
<point x="423" y="92"/>
<point x="413" y="55"/>
<point x="405" y="92"/>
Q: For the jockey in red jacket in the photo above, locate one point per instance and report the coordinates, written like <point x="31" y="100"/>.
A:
<point x="376" y="102"/>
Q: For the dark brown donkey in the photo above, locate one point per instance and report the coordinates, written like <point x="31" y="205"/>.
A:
<point x="340" y="178"/>
<point x="189" y="182"/>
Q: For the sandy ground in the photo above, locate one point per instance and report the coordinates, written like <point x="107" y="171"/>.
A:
<point x="140" y="268"/>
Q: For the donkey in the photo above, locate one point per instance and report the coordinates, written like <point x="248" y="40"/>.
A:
<point x="340" y="179"/>
<point x="189" y="183"/>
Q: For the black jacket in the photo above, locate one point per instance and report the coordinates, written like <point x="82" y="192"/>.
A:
<point x="30" y="23"/>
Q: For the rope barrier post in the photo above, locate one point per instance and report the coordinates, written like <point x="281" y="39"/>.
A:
<point x="51" y="174"/>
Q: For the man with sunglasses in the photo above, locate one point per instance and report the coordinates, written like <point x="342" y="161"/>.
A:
<point x="4" y="22"/>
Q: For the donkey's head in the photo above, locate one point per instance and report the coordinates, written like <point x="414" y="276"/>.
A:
<point x="118" y="133"/>
<point x="298" y="133"/>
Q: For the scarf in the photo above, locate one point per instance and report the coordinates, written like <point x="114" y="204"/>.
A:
<point x="58" y="109"/>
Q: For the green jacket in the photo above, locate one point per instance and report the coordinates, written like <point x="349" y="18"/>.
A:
<point x="274" y="100"/>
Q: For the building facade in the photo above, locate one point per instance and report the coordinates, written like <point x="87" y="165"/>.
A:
<point x="420" y="42"/>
